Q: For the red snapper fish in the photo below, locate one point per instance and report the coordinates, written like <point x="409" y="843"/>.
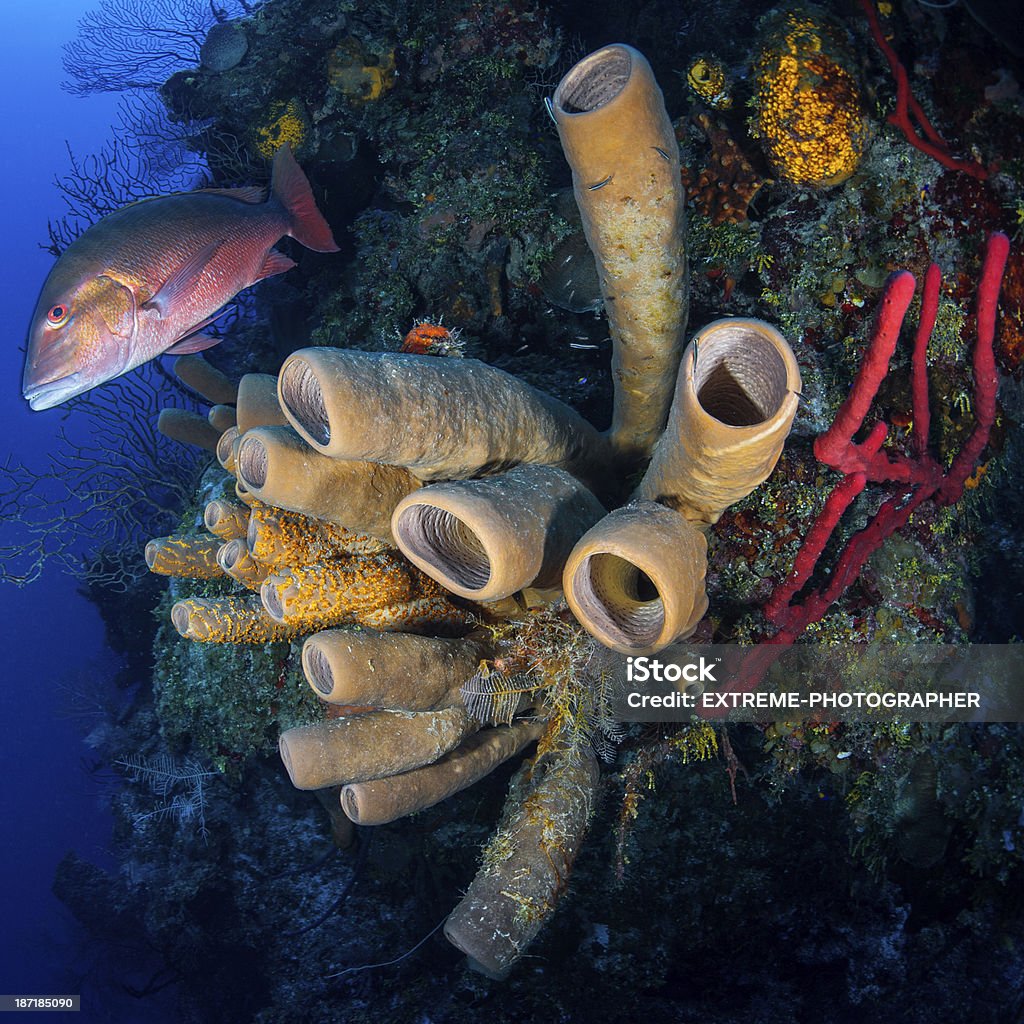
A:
<point x="143" y="280"/>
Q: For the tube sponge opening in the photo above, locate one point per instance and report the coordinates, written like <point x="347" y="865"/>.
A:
<point x="302" y="396"/>
<point x="635" y="581"/>
<point x="317" y="668"/>
<point x="225" y="451"/>
<point x="270" y="595"/>
<point x="180" y="619"/>
<point x="610" y="592"/>
<point x="742" y="380"/>
<point x="230" y="552"/>
<point x="251" y="464"/>
<point x="594" y="81"/>
<point x="450" y="545"/>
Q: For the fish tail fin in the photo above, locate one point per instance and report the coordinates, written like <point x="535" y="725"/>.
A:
<point x="290" y="188"/>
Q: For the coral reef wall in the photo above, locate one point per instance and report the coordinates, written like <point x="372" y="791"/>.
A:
<point x="358" y="624"/>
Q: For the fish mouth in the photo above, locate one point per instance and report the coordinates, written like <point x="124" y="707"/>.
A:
<point x="53" y="392"/>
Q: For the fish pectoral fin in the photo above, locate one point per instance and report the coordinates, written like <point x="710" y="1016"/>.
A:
<point x="193" y="343"/>
<point x="115" y="303"/>
<point x="274" y="263"/>
<point x="183" y="280"/>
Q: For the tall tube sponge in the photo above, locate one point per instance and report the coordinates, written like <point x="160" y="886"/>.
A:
<point x="737" y="395"/>
<point x="619" y="142"/>
<point x="636" y="580"/>
<point x="526" y="863"/>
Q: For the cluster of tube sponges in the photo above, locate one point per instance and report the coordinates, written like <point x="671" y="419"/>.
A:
<point x="295" y="573"/>
<point x="491" y="489"/>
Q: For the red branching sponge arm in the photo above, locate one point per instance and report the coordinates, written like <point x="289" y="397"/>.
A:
<point x="907" y="107"/>
<point x="778" y="610"/>
<point x="835" y="447"/>
<point x="919" y="360"/>
<point x="986" y="379"/>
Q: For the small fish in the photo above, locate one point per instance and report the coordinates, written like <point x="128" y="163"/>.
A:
<point x="145" y="279"/>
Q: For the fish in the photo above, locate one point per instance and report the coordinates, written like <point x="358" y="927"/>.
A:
<point x="144" y="280"/>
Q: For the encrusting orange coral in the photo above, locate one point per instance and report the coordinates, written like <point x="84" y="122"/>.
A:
<point x="809" y="118"/>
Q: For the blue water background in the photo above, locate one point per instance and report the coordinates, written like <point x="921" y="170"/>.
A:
<point x="48" y="803"/>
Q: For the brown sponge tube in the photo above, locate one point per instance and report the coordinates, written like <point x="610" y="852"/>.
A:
<point x="187" y="427"/>
<point x="236" y="561"/>
<point x="198" y="374"/>
<point x="233" y="620"/>
<point x="191" y="557"/>
<point x="515" y="891"/>
<point x="226" y="519"/>
<point x="440" y="418"/>
<point x="635" y="581"/>
<point x="735" y="400"/>
<point x="369" y="746"/>
<point x="220" y="417"/>
<point x="619" y="142"/>
<point x="383" y="800"/>
<point x="225" y="449"/>
<point x="486" y="539"/>
<point x="280" y="468"/>
<point x="388" y="670"/>
<point x="257" y="402"/>
<point x="279" y="537"/>
<point x="336" y="590"/>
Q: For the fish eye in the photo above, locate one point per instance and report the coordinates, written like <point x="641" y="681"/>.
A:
<point x="58" y="315"/>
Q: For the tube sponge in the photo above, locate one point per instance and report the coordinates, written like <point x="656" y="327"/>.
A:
<point x="187" y="427"/>
<point x="486" y="539"/>
<point x="257" y="402"/>
<point x="737" y="394"/>
<point x="526" y="863"/>
<point x="191" y="557"/>
<point x="635" y="581"/>
<point x="280" y="468"/>
<point x="198" y="374"/>
<point x="279" y="537"/>
<point x="225" y="450"/>
<point x="370" y="745"/>
<point x="353" y="589"/>
<point x="221" y="417"/>
<point x="619" y="142"/>
<point x="232" y="620"/>
<point x="382" y="800"/>
<point x="338" y="589"/>
<point x="388" y="670"/>
<point x="440" y="418"/>
<point x="234" y="558"/>
<point x="226" y="519"/>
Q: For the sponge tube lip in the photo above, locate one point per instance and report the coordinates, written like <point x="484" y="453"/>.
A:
<point x="443" y="545"/>
<point x="595" y="81"/>
<point x="301" y="396"/>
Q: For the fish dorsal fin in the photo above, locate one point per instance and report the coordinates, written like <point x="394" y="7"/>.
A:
<point x="193" y="343"/>
<point x="244" y="194"/>
<point x="183" y="280"/>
